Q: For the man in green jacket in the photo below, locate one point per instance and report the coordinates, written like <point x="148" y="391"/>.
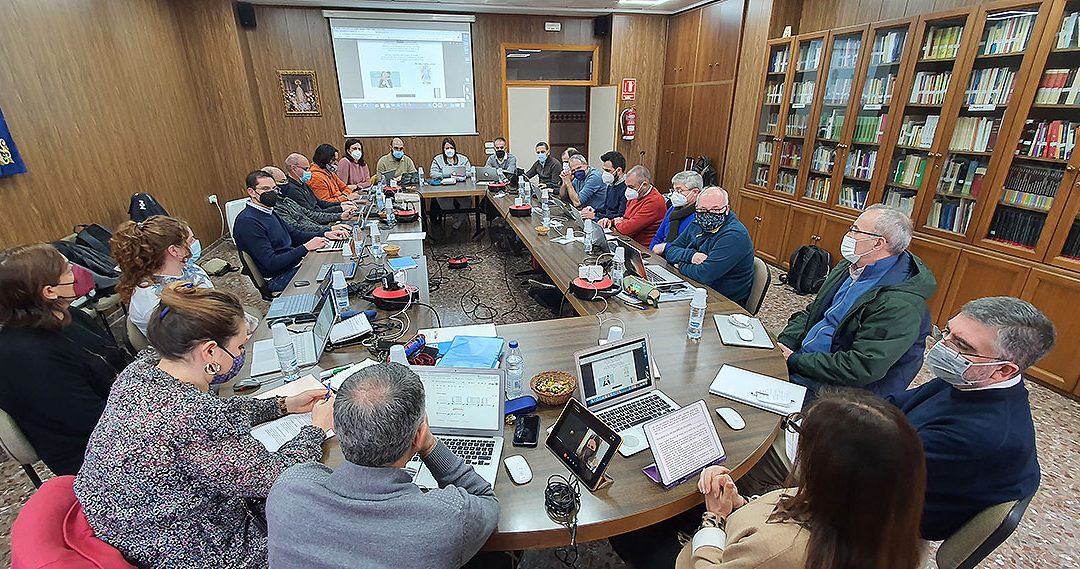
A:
<point x="868" y="325"/>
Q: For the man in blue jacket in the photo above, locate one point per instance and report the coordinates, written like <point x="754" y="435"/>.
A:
<point x="974" y="418"/>
<point x="685" y="187"/>
<point x="614" y="175"/>
<point x="584" y="186"/>
<point x="276" y="247"/>
<point x="715" y="249"/>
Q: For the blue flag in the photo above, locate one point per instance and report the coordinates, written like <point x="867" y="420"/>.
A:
<point x="10" y="162"/>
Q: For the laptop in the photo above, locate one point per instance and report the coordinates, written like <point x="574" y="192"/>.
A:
<point x="617" y="384"/>
<point x="348" y="269"/>
<point x="465" y="410"/>
<point x="654" y="274"/>
<point x="486" y="174"/>
<point x="332" y="246"/>
<point x="299" y="307"/>
<point x="309" y="345"/>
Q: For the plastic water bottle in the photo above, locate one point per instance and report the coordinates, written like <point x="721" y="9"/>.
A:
<point x="588" y="229"/>
<point x="380" y="198"/>
<point x="389" y="209"/>
<point x="341" y="291"/>
<point x="618" y="267"/>
<point x="420" y="177"/>
<point x="545" y="206"/>
<point x="697" y="315"/>
<point x="523" y="192"/>
<point x="376" y="243"/>
<point x="286" y="352"/>
<point x="514" y="365"/>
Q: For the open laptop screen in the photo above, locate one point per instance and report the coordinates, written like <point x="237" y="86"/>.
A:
<point x="615" y="370"/>
<point x="462" y="399"/>
<point x="324" y="323"/>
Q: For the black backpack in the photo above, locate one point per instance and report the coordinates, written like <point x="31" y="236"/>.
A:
<point x="101" y="266"/>
<point x="143" y="206"/>
<point x="708" y="173"/>
<point x="809" y="266"/>
<point x="94" y="236"/>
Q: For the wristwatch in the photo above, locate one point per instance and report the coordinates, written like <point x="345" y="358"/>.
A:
<point x="711" y="520"/>
<point x="282" y="407"/>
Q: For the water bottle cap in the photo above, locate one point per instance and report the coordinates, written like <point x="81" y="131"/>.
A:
<point x="339" y="279"/>
<point x="513" y="344"/>
<point x="699" y="298"/>
<point x="620" y="255"/>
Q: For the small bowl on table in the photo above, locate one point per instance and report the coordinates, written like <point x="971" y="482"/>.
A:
<point x="553" y="387"/>
<point x="541" y="230"/>
<point x="392" y="250"/>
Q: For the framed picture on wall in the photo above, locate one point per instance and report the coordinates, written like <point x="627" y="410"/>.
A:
<point x="300" y="93"/>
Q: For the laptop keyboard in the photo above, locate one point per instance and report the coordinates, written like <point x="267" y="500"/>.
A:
<point x="349" y="269"/>
<point x="476" y="452"/>
<point x="652" y="276"/>
<point x="636" y="412"/>
<point x="334" y="246"/>
<point x="294" y="304"/>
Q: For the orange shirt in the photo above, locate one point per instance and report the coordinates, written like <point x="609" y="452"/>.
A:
<point x="327" y="185"/>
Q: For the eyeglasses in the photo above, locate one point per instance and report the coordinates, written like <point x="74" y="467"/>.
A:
<point x="791" y="423"/>
<point x="944" y="335"/>
<point x="715" y="210"/>
<point x="854" y="229"/>
<point x="261" y="189"/>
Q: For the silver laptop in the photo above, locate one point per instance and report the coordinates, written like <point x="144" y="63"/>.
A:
<point x="465" y="410"/>
<point x="655" y="274"/>
<point x="486" y="174"/>
<point x="618" y="385"/>
<point x="309" y="345"/>
<point x="332" y="246"/>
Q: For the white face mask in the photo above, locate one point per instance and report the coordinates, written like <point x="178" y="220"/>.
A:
<point x="631" y="194"/>
<point x="356" y="154"/>
<point x="847" y="249"/>
<point x="678" y="200"/>
<point x="952" y="367"/>
<point x="608" y="177"/>
<point x="449" y="152"/>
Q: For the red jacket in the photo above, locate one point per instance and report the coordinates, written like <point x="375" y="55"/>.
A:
<point x="643" y="217"/>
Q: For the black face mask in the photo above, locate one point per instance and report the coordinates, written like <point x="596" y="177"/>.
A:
<point x="500" y="154"/>
<point x="269" y="199"/>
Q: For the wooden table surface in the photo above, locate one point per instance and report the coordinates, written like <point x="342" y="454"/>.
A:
<point x="687" y="368"/>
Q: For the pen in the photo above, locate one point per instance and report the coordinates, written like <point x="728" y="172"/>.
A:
<point x="327" y="398"/>
<point x="330" y="372"/>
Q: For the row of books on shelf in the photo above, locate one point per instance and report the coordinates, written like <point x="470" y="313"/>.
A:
<point x="1069" y="36"/>
<point x="975" y="134"/>
<point x="1059" y="87"/>
<point x="818" y="189"/>
<point x="930" y="87"/>
<point x="950" y="214"/>
<point x="845" y="52"/>
<point x="963" y="177"/>
<point x="860" y="163"/>
<point x="838" y="90"/>
<point x="900" y="199"/>
<point x="1016" y="226"/>
<point x="942" y="42"/>
<point x="878" y="90"/>
<point x="1033" y="201"/>
<point x="802" y="92"/>
<point x="990" y="86"/>
<point x="870" y="129"/>
<point x="809" y="56"/>
<point x="790" y="154"/>
<point x="917" y="132"/>
<point x="774" y="93"/>
<point x="771" y="123"/>
<point x="909" y="170"/>
<point x="823" y="159"/>
<point x="797" y="123"/>
<point x="831" y="124"/>
<point x="764" y="151"/>
<point x="853" y="197"/>
<point x="1071" y="248"/>
<point x="785" y="182"/>
<point x="1008" y="35"/>
<point x="761" y="175"/>
<point x="779" y="61"/>
<point x="1047" y="139"/>
<point x="1033" y="181"/>
<point x="888" y="47"/>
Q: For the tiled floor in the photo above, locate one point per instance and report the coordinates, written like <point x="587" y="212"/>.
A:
<point x="1047" y="537"/>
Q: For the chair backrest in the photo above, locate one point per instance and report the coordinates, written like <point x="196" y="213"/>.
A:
<point x="52" y="531"/>
<point x="252" y="271"/>
<point x="758" y="287"/>
<point x="14" y="442"/>
<point x="981" y="535"/>
<point x="135" y="336"/>
<point x="233" y="209"/>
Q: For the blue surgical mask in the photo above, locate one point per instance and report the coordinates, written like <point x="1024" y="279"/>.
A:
<point x="237" y="365"/>
<point x="196" y="252"/>
<point x="305" y="176"/>
<point x="580" y="175"/>
<point x="710" y="221"/>
<point x="541" y="157"/>
<point x="398" y="154"/>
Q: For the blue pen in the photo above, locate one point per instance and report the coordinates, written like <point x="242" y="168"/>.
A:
<point x="327" y="398"/>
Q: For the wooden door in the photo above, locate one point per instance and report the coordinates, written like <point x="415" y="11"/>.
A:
<point x="831" y="232"/>
<point x="673" y="129"/>
<point x="681" y="47"/>
<point x="711" y="109"/>
<point x="718" y="41"/>
<point x="770" y="235"/>
<point x="1057" y="296"/>
<point x="802" y="229"/>
<point x="1064" y="250"/>
<point x="978" y="275"/>
<point x="941" y="259"/>
<point x="748" y="210"/>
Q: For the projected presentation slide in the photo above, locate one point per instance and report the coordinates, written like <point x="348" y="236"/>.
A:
<point x="405" y="78"/>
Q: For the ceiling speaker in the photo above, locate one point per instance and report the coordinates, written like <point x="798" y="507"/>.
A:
<point x="246" y="13"/>
<point x="601" y="26"/>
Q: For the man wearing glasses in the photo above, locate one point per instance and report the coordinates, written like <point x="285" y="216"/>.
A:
<point x="715" y="249"/>
<point x="685" y="187"/>
<point x="869" y="322"/>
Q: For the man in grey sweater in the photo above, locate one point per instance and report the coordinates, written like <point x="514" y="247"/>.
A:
<point x="368" y="513"/>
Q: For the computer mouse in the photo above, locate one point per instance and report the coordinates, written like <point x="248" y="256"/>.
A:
<point x="518" y="469"/>
<point x="246" y="386"/>
<point x="731" y="417"/>
<point x="746" y="334"/>
<point x="740" y="320"/>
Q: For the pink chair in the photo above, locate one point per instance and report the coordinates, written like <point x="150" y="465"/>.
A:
<point x="51" y="532"/>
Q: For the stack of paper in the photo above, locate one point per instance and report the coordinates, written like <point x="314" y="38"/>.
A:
<point x="757" y="390"/>
<point x="274" y="434"/>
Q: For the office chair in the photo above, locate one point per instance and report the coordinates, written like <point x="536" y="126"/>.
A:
<point x="978" y="538"/>
<point x="14" y="443"/>
<point x="758" y="287"/>
<point x="256" y="277"/>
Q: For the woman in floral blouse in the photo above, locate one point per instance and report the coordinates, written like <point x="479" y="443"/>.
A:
<point x="169" y="467"/>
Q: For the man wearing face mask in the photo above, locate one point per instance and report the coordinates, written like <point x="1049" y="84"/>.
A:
<point x="684" y="193"/>
<point x="614" y="175"/>
<point x="505" y="162"/>
<point x="715" y="249"/>
<point x="584" y="186"/>
<point x="974" y="416"/>
<point x="395" y="162"/>
<point x="644" y="208"/>
<point x="297" y="175"/>
<point x="294" y="214"/>
<point x="276" y="248"/>
<point x="546" y="168"/>
<point x="868" y="324"/>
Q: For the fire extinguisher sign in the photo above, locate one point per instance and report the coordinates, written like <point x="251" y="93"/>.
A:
<point x="629" y="89"/>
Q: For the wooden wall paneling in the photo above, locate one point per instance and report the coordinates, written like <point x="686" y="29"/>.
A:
<point x="640" y="55"/>
<point x="1057" y="296"/>
<point x="831" y="232"/>
<point x="682" y="46"/>
<point x="771" y="232"/>
<point x="802" y="229"/>
<point x="941" y="260"/>
<point x="785" y="13"/>
<point x="718" y="41"/>
<point x="826" y="14"/>
<point x="100" y="100"/>
<point x="978" y="275"/>
<point x="747" y="207"/>
<point x="741" y="131"/>
<point x="673" y="130"/>
<point x="710" y="115"/>
<point x="870" y="10"/>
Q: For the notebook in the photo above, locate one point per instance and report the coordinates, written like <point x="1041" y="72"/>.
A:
<point x="757" y="390"/>
<point x="476" y="352"/>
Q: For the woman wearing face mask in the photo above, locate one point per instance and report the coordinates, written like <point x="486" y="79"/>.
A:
<point x="443" y="166"/>
<point x="170" y="468"/>
<point x="352" y="168"/>
<point x="325" y="182"/>
<point x="57" y="364"/>
<point x="152" y="254"/>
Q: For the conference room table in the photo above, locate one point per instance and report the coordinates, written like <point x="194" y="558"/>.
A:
<point x="686" y="367"/>
<point x="468" y="189"/>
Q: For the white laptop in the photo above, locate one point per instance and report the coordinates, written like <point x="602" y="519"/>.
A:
<point x="465" y="410"/>
<point x="618" y="385"/>
<point x="488" y="174"/>
<point x="655" y="274"/>
<point x="309" y="344"/>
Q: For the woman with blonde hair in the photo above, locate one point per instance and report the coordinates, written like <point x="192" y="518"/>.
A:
<point x="152" y="254"/>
